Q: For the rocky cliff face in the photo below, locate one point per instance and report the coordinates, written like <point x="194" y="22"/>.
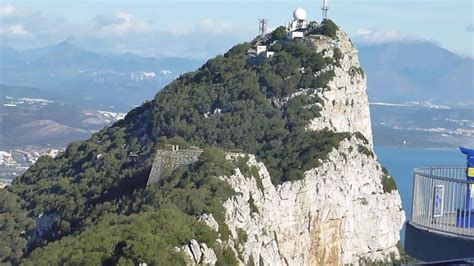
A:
<point x="345" y="106"/>
<point x="339" y="212"/>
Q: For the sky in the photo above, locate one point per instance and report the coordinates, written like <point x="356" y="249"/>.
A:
<point x="201" y="29"/>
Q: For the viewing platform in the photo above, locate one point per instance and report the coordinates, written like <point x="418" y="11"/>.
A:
<point x="441" y="227"/>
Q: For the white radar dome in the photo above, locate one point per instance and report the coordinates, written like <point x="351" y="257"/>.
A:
<point x="299" y="14"/>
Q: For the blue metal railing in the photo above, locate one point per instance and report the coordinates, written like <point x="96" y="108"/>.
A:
<point x="443" y="201"/>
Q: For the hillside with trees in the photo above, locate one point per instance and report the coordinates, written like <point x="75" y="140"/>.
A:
<point x="94" y="193"/>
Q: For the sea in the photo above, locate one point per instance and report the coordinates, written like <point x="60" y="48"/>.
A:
<point x="401" y="162"/>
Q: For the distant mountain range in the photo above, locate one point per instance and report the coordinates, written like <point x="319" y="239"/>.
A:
<point x="398" y="72"/>
<point x="67" y="72"/>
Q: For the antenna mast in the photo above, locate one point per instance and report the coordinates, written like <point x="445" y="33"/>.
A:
<point x="325" y="9"/>
<point x="262" y="26"/>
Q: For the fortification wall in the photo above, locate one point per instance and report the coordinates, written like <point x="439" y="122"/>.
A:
<point x="166" y="161"/>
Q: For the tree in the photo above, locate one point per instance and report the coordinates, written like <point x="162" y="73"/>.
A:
<point x="279" y="33"/>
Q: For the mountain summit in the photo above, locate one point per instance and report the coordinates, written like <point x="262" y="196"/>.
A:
<point x="262" y="156"/>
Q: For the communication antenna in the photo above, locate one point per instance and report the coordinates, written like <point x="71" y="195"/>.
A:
<point x="325" y="9"/>
<point x="262" y="26"/>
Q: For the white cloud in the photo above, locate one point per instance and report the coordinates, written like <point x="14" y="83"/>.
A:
<point x="25" y="28"/>
<point x="212" y="26"/>
<point x="17" y="29"/>
<point x="204" y="26"/>
<point x="108" y="20"/>
<point x="120" y="23"/>
<point x="6" y="9"/>
<point x="16" y="22"/>
<point x="381" y="36"/>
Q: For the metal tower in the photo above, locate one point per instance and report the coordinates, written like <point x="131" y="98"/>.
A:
<point x="262" y="26"/>
<point x="325" y="9"/>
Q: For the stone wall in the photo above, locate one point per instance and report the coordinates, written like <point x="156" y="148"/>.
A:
<point x="166" y="161"/>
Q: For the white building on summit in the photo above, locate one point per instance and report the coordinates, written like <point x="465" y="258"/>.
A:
<point x="294" y="30"/>
<point x="296" y="27"/>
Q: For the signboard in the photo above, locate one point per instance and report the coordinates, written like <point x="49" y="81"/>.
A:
<point x="438" y="201"/>
<point x="470" y="172"/>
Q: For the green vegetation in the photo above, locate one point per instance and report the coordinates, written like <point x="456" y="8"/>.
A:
<point x="364" y="150"/>
<point x="328" y="28"/>
<point x="404" y="257"/>
<point x="144" y="237"/>
<point x="249" y="171"/>
<point x="361" y="137"/>
<point x="248" y="120"/>
<point x="279" y="33"/>
<point x="300" y="152"/>
<point x="225" y="257"/>
<point x="253" y="207"/>
<point x="254" y="171"/>
<point x="356" y="70"/>
<point x="13" y="220"/>
<point x="359" y="71"/>
<point x="168" y="220"/>
<point x="96" y="187"/>
<point x="168" y="210"/>
<point x="163" y="141"/>
<point x="242" y="165"/>
<point x="338" y="56"/>
<point x="258" y="179"/>
<point x="388" y="183"/>
<point x="242" y="235"/>
<point x="251" y="261"/>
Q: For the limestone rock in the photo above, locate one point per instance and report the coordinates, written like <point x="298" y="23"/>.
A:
<point x="337" y="214"/>
<point x="198" y="253"/>
<point x="209" y="220"/>
<point x="345" y="106"/>
<point x="195" y="250"/>
<point x="208" y="255"/>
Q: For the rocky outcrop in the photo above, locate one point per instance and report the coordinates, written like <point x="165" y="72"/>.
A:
<point x="345" y="104"/>
<point x="337" y="214"/>
<point x="198" y="253"/>
<point x="209" y="220"/>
